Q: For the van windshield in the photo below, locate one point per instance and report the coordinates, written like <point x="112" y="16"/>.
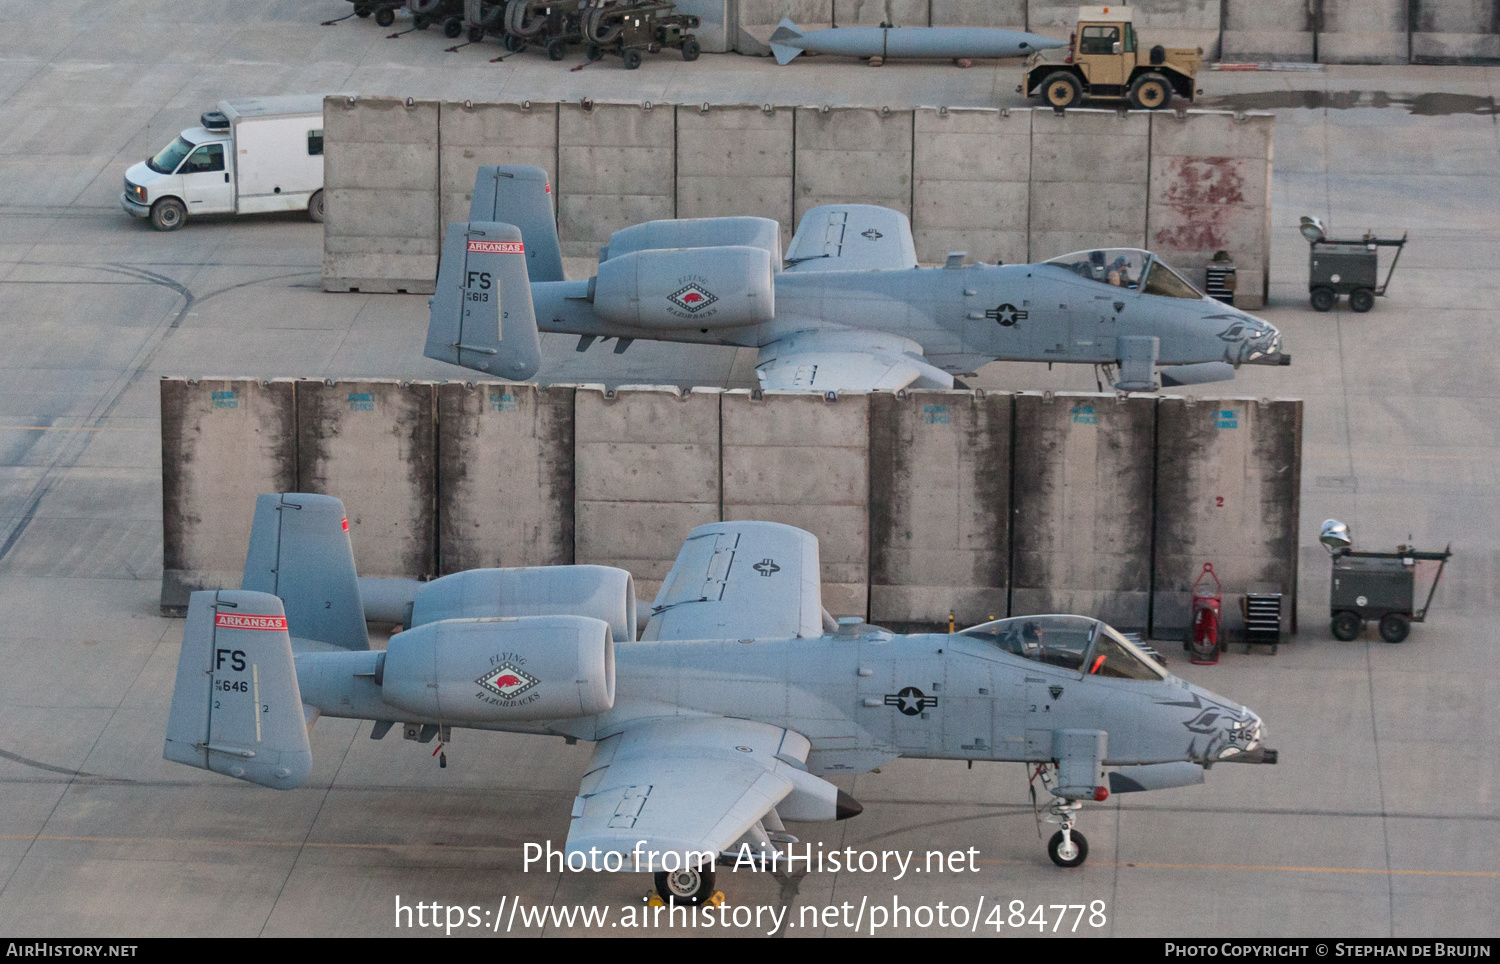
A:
<point x="166" y="162"/>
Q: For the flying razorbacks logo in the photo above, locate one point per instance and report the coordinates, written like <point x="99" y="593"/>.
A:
<point x="507" y="681"/>
<point x="692" y="297"/>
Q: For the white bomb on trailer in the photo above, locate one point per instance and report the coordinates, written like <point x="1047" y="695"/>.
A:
<point x="250" y="156"/>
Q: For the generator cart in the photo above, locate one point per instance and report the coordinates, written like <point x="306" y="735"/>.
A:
<point x="1346" y="268"/>
<point x="1376" y="586"/>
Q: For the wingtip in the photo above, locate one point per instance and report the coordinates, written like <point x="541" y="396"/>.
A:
<point x="846" y="806"/>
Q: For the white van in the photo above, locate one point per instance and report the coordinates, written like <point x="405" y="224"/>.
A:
<point x="250" y="156"/>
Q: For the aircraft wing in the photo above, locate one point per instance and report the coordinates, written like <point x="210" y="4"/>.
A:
<point x="683" y="785"/>
<point x="851" y="237"/>
<point x="849" y="360"/>
<point x="741" y="580"/>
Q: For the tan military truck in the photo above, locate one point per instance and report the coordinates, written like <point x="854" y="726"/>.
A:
<point x="1104" y="61"/>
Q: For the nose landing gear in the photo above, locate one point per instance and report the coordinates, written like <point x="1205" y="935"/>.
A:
<point x="1068" y="847"/>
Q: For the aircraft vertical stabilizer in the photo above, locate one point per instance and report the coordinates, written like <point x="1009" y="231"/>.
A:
<point x="300" y="552"/>
<point x="481" y="316"/>
<point x="521" y="195"/>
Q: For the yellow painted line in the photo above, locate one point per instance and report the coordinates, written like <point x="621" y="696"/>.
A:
<point x="70" y="428"/>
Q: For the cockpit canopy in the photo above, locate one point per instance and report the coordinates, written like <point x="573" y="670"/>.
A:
<point x="1130" y="268"/>
<point x="1071" y="642"/>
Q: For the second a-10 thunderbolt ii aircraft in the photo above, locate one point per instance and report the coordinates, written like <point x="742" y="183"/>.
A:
<point x="846" y="309"/>
<point x="722" y="720"/>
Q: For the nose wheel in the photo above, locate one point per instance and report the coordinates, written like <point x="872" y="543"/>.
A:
<point x="1068" y="848"/>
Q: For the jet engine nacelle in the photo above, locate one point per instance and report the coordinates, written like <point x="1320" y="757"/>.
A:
<point x="488" y="670"/>
<point x="719" y="287"/>
<point x="600" y="592"/>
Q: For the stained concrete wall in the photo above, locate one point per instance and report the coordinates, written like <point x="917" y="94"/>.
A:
<point x="1267" y="30"/>
<point x="971" y="188"/>
<point x="372" y="444"/>
<point x="1006" y="14"/>
<point x="614" y="169"/>
<point x="1363" y="31"/>
<point x="1228" y="478"/>
<point x="1081" y="503"/>
<point x="802" y="460"/>
<point x="223" y="442"/>
<point x="758" y="19"/>
<point x="872" y="13"/>
<point x="735" y="161"/>
<point x="475" y="134"/>
<point x="1089" y="178"/>
<point x="505" y="476"/>
<point x="939" y="507"/>
<point x="1173" y="23"/>
<point x="1454" y="31"/>
<point x="853" y="156"/>
<point x="380" y="185"/>
<point x="1211" y="191"/>
<point x="646" y="472"/>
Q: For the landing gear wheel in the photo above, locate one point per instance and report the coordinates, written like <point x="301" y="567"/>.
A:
<point x="385" y="16"/>
<point x="685" y="887"/>
<point x="168" y="214"/>
<point x="1074" y="855"/>
<point x="1323" y="299"/>
<point x="1062" y="90"/>
<point x="421" y="21"/>
<point x="453" y="28"/>
<point x="557" y="50"/>
<point x="1346" y="626"/>
<point x="315" y="206"/>
<point x="632" y="59"/>
<point x="513" y="43"/>
<point x="1150" y="92"/>
<point x="691" y="49"/>
<point x="1361" y="300"/>
<point x="593" y="53"/>
<point x="1394" y="627"/>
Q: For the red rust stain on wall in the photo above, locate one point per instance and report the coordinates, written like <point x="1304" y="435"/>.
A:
<point x="1198" y="190"/>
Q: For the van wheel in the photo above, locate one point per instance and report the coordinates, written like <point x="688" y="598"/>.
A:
<point x="168" y="214"/>
<point x="1150" y="92"/>
<point x="1062" y="90"/>
<point x="315" y="207"/>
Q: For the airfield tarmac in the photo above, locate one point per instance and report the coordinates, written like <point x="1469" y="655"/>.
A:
<point x="1381" y="819"/>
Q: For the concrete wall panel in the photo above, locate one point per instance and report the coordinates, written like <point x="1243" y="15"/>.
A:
<point x="804" y="461"/>
<point x="646" y="472"/>
<point x="1082" y="491"/>
<point x="505" y="476"/>
<point x="614" y="169"/>
<point x="1211" y="191"/>
<point x="853" y="156"/>
<point x="380" y="181"/>
<point x="1454" y="32"/>
<point x="1005" y="14"/>
<point x="716" y="23"/>
<point x="475" y="134"/>
<point x="872" y="13"/>
<point x="758" y="19"/>
<point x="1173" y="23"/>
<point x="971" y="189"/>
<point x="1228" y="478"/>
<point x="1089" y="177"/>
<point x="372" y="444"/>
<point x="1267" y="30"/>
<point x="223" y="442"/>
<point x="735" y="161"/>
<point x="1363" y="32"/>
<point x="939" y="507"/>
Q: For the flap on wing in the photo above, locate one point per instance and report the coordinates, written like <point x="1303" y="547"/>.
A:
<point x="735" y="580"/>
<point x="689" y="786"/>
<point x="851" y="237"/>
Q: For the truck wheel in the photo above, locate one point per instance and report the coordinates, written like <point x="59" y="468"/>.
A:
<point x="1361" y="300"/>
<point x="385" y="16"/>
<point x="315" y="207"/>
<point x="691" y="49"/>
<point x="168" y="214"/>
<point x="453" y="28"/>
<point x="1150" y="92"/>
<point x="557" y="50"/>
<point x="632" y="59"/>
<point x="1347" y="626"/>
<point x="1394" y="627"/>
<point x="1062" y="90"/>
<point x="1323" y="299"/>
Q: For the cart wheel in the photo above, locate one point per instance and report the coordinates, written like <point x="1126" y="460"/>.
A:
<point x="1361" y="300"/>
<point x="513" y="43"/>
<point x="453" y="28"/>
<point x="691" y="49"/>
<point x="632" y="59"/>
<point x="476" y="33"/>
<point x="385" y="16"/>
<point x="557" y="50"/>
<point x="1394" y="627"/>
<point x="1347" y="626"/>
<point x="361" y="11"/>
<point x="421" y="21"/>
<point x="1323" y="299"/>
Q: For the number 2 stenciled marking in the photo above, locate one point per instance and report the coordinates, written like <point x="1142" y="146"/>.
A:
<point x="1218" y="502"/>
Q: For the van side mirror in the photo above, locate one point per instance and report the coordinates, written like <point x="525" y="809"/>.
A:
<point x="1114" y="48"/>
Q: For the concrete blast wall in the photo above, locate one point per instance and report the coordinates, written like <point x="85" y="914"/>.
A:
<point x="972" y="173"/>
<point x="1267" y="30"/>
<point x="1082" y="496"/>
<point x="1089" y="177"/>
<point x="1228" y="478"/>
<point x="505" y="476"/>
<point x="735" y="161"/>
<point x="939" y="507"/>
<point x="474" y="135"/>
<point x="380" y="184"/>
<point x="853" y="156"/>
<point x="1363" y="31"/>
<point x="1454" y="32"/>
<point x="615" y="168"/>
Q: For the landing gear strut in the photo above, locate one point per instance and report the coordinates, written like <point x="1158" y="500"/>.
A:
<point x="1068" y="847"/>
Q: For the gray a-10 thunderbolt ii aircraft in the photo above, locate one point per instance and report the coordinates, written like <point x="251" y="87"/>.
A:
<point x="725" y="716"/>
<point x="846" y="309"/>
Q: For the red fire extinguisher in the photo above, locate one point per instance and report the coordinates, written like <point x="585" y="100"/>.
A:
<point x="1208" y="607"/>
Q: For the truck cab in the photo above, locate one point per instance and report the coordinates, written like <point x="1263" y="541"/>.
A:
<point x="249" y="156"/>
<point x="1105" y="61"/>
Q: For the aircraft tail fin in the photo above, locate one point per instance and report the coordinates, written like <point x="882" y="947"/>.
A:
<point x="237" y="708"/>
<point x="785" y="31"/>
<point x="482" y="316"/>
<point x="521" y="195"/>
<point x="300" y="552"/>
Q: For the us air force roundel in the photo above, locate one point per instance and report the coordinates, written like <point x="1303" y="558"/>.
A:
<point x="910" y="700"/>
